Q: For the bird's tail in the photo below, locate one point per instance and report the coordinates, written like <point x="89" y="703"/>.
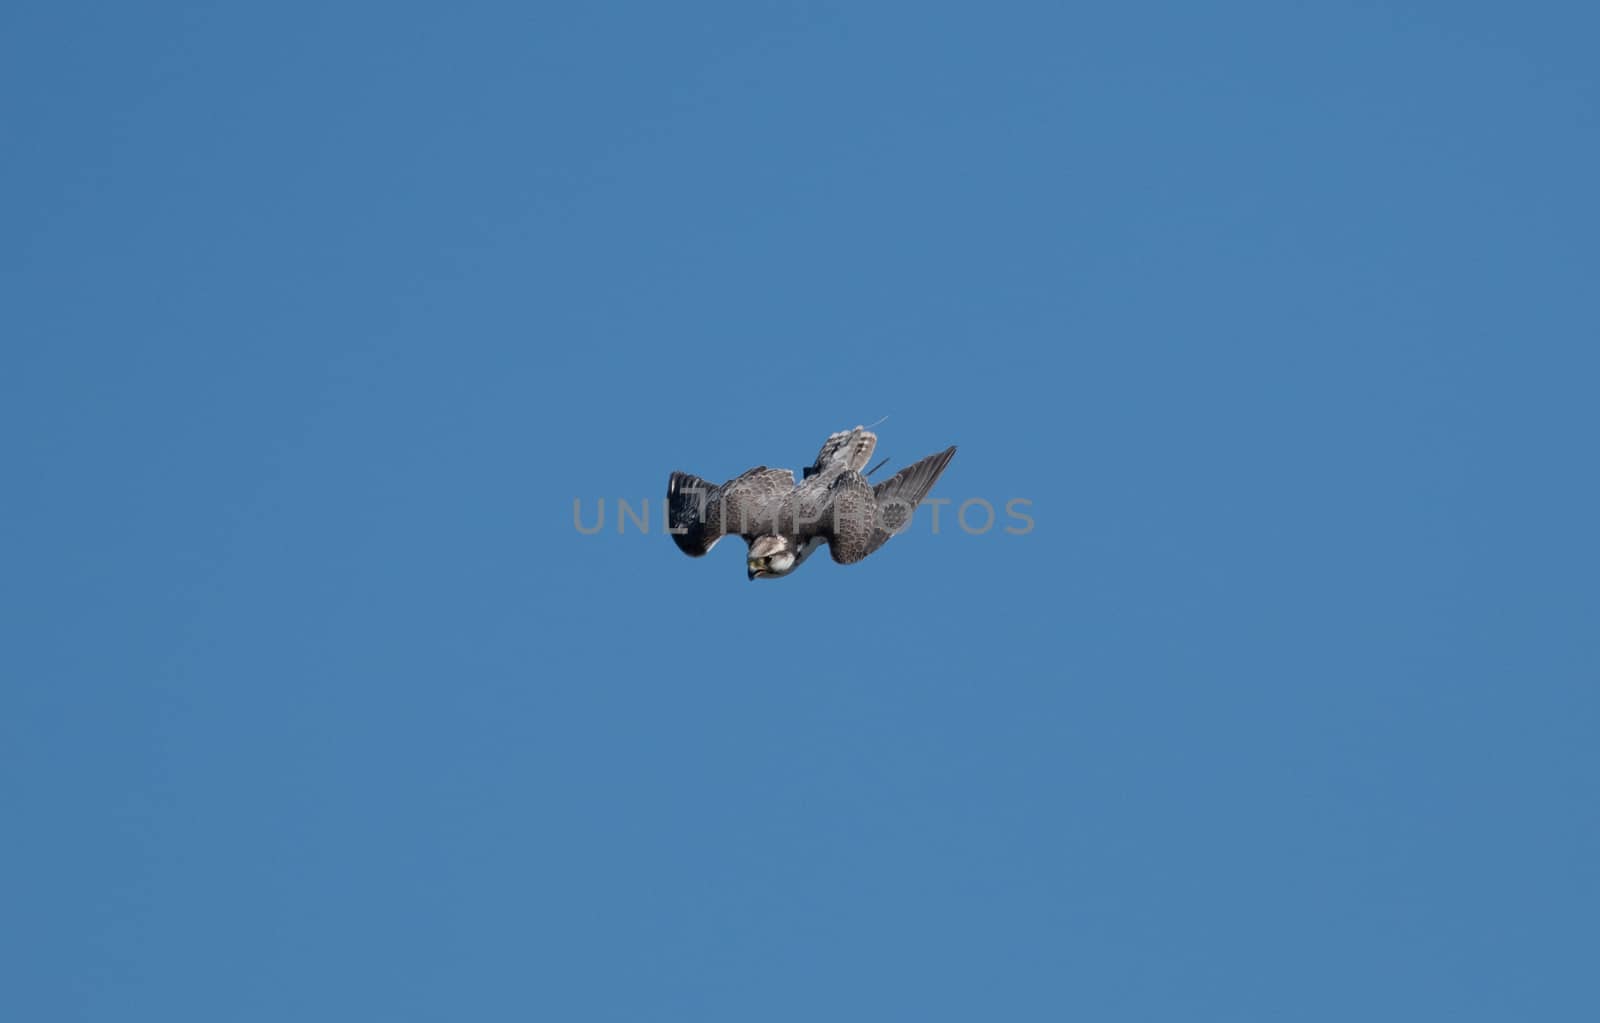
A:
<point x="852" y="447"/>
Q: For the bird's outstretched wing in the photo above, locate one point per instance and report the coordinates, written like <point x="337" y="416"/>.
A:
<point x="699" y="512"/>
<point x="863" y="517"/>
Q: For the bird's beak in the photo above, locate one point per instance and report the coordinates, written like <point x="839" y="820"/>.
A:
<point x="751" y="572"/>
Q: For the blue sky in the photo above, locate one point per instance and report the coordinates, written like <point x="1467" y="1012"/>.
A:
<point x="319" y="317"/>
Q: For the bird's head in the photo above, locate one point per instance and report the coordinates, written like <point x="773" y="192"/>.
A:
<point x="771" y="557"/>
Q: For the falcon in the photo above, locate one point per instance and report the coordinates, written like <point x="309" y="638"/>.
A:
<point x="783" y="521"/>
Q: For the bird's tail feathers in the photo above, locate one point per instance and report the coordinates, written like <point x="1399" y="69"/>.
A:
<point x="853" y="447"/>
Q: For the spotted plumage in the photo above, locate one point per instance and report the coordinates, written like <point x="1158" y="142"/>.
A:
<point x="784" y="521"/>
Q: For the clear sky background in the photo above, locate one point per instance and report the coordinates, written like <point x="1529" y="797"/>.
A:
<point x="317" y="318"/>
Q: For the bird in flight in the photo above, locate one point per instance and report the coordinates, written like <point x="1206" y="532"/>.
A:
<point x="784" y="521"/>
